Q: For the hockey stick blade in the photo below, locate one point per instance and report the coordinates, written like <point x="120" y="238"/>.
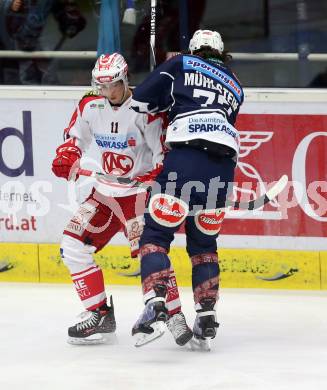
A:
<point x="263" y="199"/>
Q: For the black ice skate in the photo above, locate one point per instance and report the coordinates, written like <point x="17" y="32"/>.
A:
<point x="205" y="325"/>
<point x="97" y="328"/>
<point x="151" y="323"/>
<point x="179" y="329"/>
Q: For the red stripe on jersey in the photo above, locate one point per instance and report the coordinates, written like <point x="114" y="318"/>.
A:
<point x="83" y="102"/>
<point x="81" y="105"/>
<point x="161" y="115"/>
<point x="152" y="118"/>
<point x="71" y="124"/>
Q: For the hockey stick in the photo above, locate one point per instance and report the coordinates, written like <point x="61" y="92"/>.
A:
<point x="108" y="178"/>
<point x="255" y="204"/>
<point x="271" y="194"/>
<point x="153" y="15"/>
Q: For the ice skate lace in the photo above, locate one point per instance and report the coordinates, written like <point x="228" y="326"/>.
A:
<point x="177" y="325"/>
<point x="88" y="322"/>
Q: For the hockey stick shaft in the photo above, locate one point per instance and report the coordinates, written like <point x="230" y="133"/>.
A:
<point x="108" y="178"/>
<point x="271" y="194"/>
<point x="153" y="19"/>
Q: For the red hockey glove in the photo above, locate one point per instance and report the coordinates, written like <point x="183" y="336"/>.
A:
<point x="66" y="161"/>
<point x="149" y="176"/>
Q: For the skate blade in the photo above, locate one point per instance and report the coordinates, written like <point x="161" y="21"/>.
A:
<point x="199" y="345"/>
<point x="95" y="339"/>
<point x="141" y="339"/>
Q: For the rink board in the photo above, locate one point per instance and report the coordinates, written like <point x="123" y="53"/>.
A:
<point x="240" y="268"/>
<point x="19" y="262"/>
<point x="323" y="264"/>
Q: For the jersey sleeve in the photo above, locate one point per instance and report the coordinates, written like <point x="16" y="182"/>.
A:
<point x="153" y="135"/>
<point x="153" y="95"/>
<point x="79" y="127"/>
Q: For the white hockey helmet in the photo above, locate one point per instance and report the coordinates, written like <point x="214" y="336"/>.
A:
<point x="206" y="38"/>
<point x="109" y="68"/>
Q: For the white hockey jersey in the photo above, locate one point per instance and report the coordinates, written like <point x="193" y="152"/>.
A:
<point x="131" y="144"/>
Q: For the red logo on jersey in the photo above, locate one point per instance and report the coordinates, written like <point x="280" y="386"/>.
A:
<point x="209" y="221"/>
<point x="167" y="210"/>
<point x="117" y="164"/>
<point x="131" y="141"/>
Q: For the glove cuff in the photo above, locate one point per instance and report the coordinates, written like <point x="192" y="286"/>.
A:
<point x="70" y="147"/>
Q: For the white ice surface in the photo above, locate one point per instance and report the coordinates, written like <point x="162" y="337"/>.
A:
<point x="267" y="340"/>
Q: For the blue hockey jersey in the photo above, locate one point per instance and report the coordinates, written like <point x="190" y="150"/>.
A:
<point x="202" y="99"/>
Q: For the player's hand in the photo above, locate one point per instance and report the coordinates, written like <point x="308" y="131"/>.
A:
<point x="66" y="162"/>
<point x="150" y="176"/>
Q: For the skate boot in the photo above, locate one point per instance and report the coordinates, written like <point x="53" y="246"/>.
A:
<point x="151" y="323"/>
<point x="205" y="324"/>
<point x="97" y="328"/>
<point x="179" y="329"/>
